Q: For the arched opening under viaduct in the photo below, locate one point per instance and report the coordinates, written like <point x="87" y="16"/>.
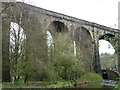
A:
<point x="110" y="74"/>
<point x="108" y="56"/>
<point x="17" y="36"/>
<point x="57" y="27"/>
<point x="27" y="48"/>
<point x="54" y="29"/>
<point x="17" y="39"/>
<point x="83" y="40"/>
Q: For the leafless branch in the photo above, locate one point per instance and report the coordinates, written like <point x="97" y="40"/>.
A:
<point x="6" y="5"/>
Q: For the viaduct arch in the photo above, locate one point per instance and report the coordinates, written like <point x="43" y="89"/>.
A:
<point x="36" y="21"/>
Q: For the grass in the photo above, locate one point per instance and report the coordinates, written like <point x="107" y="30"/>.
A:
<point x="61" y="84"/>
<point x="58" y="84"/>
<point x="93" y="77"/>
<point x="15" y="85"/>
<point x="118" y="84"/>
<point x="90" y="80"/>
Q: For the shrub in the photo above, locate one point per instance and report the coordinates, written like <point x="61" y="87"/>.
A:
<point x="92" y="77"/>
<point x="66" y="65"/>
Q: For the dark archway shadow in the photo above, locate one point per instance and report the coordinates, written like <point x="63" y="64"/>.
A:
<point x="110" y="74"/>
<point x="83" y="40"/>
<point x="57" y="27"/>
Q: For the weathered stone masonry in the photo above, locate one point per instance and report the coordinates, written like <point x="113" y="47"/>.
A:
<point x="36" y="20"/>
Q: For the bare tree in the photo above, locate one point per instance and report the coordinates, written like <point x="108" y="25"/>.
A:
<point x="17" y="49"/>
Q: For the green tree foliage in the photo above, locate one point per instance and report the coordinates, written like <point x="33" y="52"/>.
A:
<point x="27" y="58"/>
<point x="115" y="41"/>
<point x="91" y="77"/>
<point x="36" y="63"/>
<point x="64" y="64"/>
<point x="37" y="56"/>
<point x="108" y="61"/>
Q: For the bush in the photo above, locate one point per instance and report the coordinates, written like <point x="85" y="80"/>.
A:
<point x="66" y="65"/>
<point x="51" y="75"/>
<point x="92" y="77"/>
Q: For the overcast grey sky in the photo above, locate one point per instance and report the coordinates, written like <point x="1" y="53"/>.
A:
<point x="104" y="12"/>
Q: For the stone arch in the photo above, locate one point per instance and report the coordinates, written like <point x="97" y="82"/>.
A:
<point x="89" y="31"/>
<point x="16" y="29"/>
<point x="108" y="38"/>
<point x="110" y="74"/>
<point x="81" y="32"/>
<point x="17" y="38"/>
<point x="56" y="27"/>
<point x="106" y="35"/>
<point x="83" y="40"/>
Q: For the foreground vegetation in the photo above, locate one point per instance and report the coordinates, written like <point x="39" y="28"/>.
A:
<point x="88" y="79"/>
<point x="118" y="85"/>
<point x="108" y="61"/>
<point x="55" y="63"/>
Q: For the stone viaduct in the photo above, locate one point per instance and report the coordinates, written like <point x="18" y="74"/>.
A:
<point x="35" y="20"/>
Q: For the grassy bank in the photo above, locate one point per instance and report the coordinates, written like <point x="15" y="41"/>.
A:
<point x="118" y="85"/>
<point x="89" y="80"/>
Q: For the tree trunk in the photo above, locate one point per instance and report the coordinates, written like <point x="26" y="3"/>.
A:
<point x="18" y="79"/>
<point x="26" y="78"/>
